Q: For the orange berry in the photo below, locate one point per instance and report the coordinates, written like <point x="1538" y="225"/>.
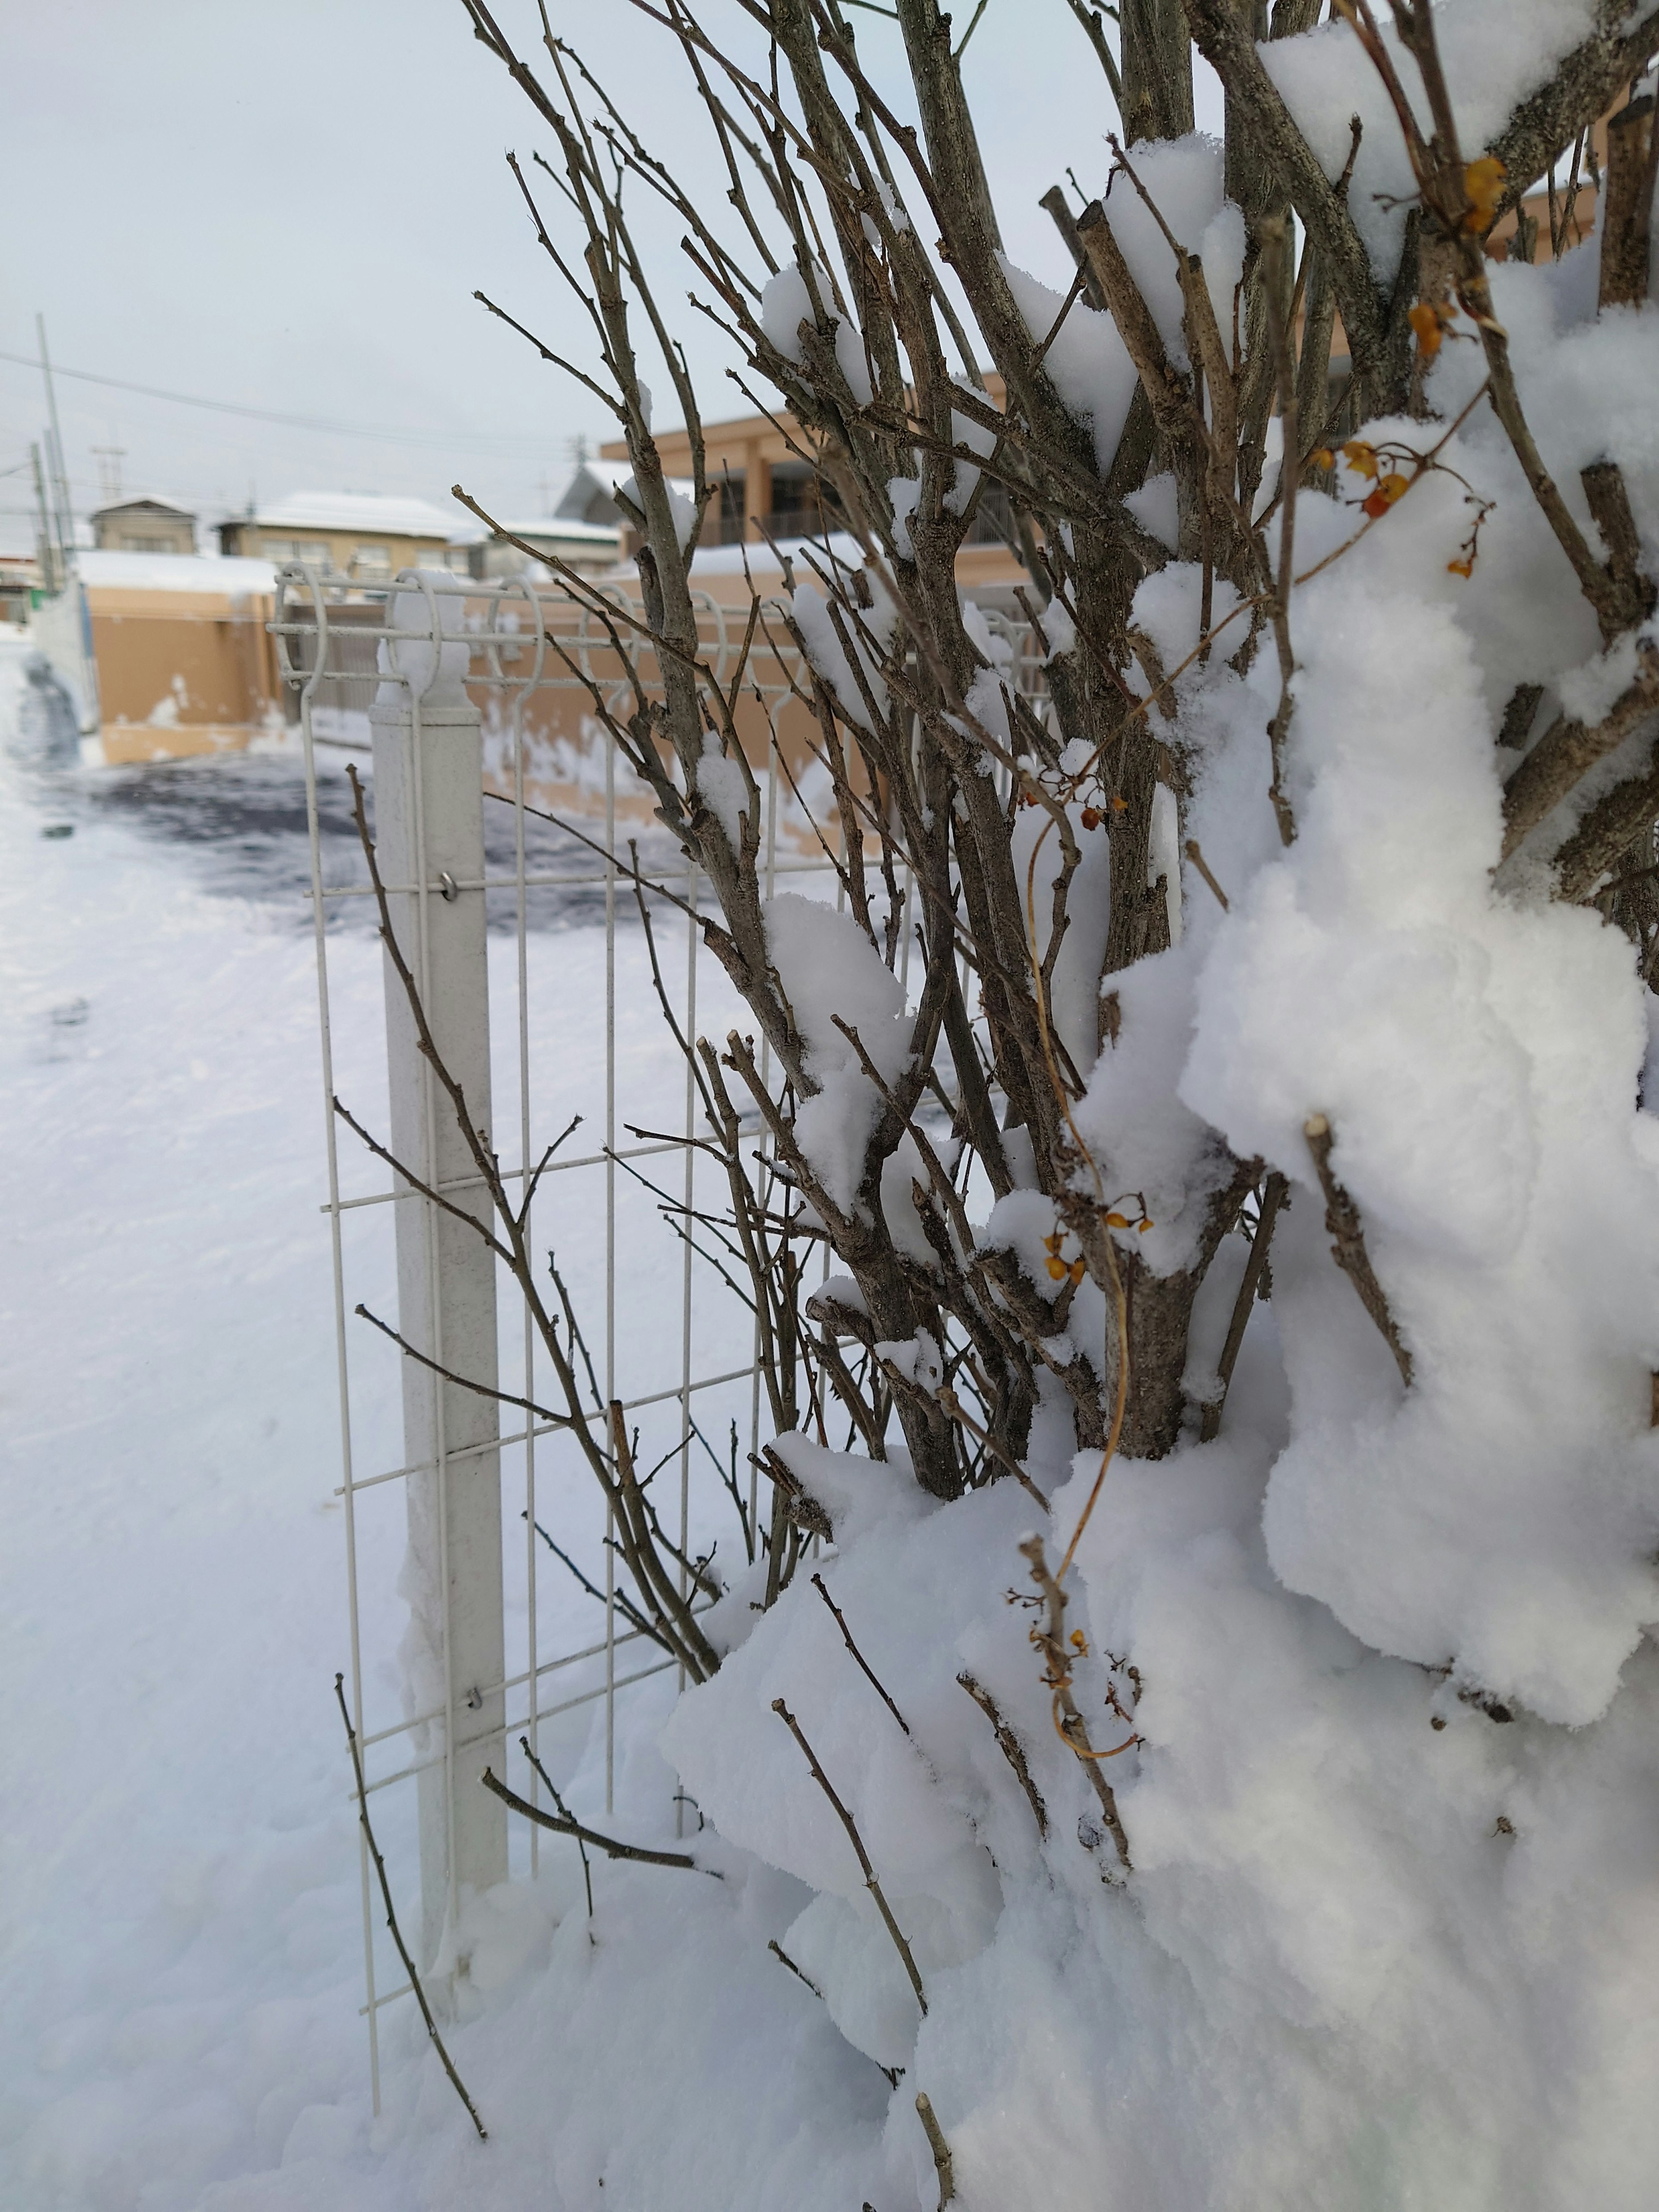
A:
<point x="1483" y="181"/>
<point x="1425" y="321"/>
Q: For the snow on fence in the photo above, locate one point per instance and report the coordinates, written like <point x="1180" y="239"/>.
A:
<point x="468" y="694"/>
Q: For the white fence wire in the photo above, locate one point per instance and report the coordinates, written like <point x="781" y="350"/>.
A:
<point x="672" y="1343"/>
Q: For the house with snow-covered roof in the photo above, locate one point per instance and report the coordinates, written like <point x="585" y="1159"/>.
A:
<point x="771" y="492"/>
<point x="361" y="535"/>
<point x="145" y="525"/>
<point x="583" y="532"/>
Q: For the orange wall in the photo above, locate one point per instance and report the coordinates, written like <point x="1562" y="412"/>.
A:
<point x="204" y="661"/>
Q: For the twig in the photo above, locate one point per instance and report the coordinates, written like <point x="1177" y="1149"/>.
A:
<point x="1348" y="1240"/>
<point x="1274" y="250"/>
<point x="581" y="1840"/>
<point x="1203" y="866"/>
<point x="391" y="1916"/>
<point x="608" y="1844"/>
<point x="478" y="1389"/>
<point x="1009" y="1745"/>
<point x="847" y="1638"/>
<point x="778" y="1952"/>
<point x="1568" y="750"/>
<point x="943" y="2164"/>
<point x="847" y="1822"/>
<point x="1272" y="1197"/>
<point x="1048" y="1633"/>
<point x="625" y="1605"/>
<point x="1627" y="216"/>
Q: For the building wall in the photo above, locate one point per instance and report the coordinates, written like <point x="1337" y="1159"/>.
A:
<point x="750" y="450"/>
<point x="746" y="450"/>
<point x="495" y="558"/>
<point x="367" y="555"/>
<point x="181" y="672"/>
<point x="144" y="533"/>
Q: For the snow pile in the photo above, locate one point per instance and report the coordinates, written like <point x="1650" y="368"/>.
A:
<point x="1479" y="1067"/>
<point x="829" y="971"/>
<point x="1086" y="359"/>
<point x="681" y="506"/>
<point x="857" y="687"/>
<point x="786" y="302"/>
<point x="1494" y="53"/>
<point x="1391" y="1931"/>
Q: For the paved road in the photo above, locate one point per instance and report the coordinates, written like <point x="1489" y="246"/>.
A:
<point x="238" y="822"/>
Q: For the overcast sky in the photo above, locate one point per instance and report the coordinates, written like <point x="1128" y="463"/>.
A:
<point x="288" y="206"/>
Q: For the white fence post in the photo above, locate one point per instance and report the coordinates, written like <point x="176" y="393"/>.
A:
<point x="429" y="822"/>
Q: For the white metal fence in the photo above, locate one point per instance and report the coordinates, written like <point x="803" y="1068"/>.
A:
<point x="495" y="1649"/>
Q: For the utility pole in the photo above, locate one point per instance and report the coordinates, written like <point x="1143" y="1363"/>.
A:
<point x="58" y="472"/>
<point x="45" y="543"/>
<point x="67" y="618"/>
<point x="110" y="458"/>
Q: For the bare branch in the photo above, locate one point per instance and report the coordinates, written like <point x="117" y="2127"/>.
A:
<point x="871" y="1882"/>
<point x="864" y="1664"/>
<point x="391" y="1916"/>
<point x="1348" y="1240"/>
<point x="608" y="1844"/>
<point x="1009" y="1745"/>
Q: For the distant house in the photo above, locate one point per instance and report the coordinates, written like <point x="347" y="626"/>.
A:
<point x="766" y="489"/>
<point x="589" y="495"/>
<point x="584" y="531"/>
<point x="144" y="525"/>
<point x="357" y="534"/>
<point x="768" y="495"/>
<point x="20" y="586"/>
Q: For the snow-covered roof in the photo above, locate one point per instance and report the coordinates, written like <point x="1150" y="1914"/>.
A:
<point x="139" y="501"/>
<point x="360" y="510"/>
<point x="173" y="572"/>
<point x="592" y="477"/>
<point x="563" y="526"/>
<point x="841" y="549"/>
<point x="603" y="479"/>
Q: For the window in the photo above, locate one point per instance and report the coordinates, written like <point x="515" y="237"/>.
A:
<point x="371" y="560"/>
<point x="312" y="550"/>
<point x="731" y="522"/>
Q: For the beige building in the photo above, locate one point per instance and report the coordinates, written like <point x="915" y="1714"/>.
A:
<point x="355" y="534"/>
<point x="765" y="488"/>
<point x="144" y="525"/>
<point x="768" y="493"/>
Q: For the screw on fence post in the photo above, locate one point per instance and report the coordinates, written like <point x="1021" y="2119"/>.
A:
<point x="428" y="823"/>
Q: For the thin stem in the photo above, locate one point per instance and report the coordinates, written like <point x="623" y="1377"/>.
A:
<point x="847" y="1822"/>
<point x="847" y="1638"/>
<point x="392" y="1915"/>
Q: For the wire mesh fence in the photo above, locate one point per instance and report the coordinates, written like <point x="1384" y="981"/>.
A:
<point x="548" y="924"/>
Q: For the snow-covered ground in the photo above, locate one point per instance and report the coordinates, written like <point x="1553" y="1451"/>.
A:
<point x="179" y="1907"/>
<point x="1391" y="1936"/>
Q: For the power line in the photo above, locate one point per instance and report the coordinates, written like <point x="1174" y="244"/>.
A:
<point x="482" y="441"/>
